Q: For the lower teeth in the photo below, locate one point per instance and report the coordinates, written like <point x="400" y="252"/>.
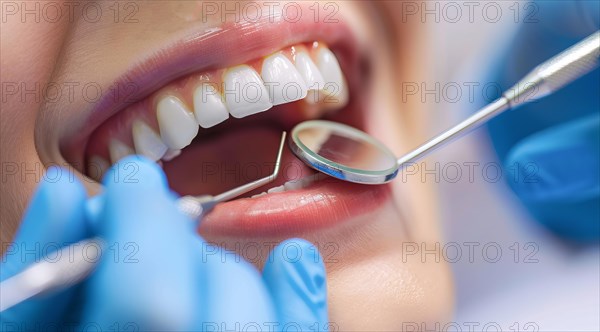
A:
<point x="293" y="185"/>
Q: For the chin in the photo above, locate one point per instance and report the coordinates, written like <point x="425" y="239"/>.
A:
<point x="208" y="102"/>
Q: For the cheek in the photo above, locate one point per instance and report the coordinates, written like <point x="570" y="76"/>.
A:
<point x="19" y="180"/>
<point x="21" y="167"/>
<point x="25" y="137"/>
<point x="373" y="283"/>
<point x="28" y="74"/>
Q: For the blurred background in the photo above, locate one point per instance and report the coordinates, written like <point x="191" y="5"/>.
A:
<point x="519" y="274"/>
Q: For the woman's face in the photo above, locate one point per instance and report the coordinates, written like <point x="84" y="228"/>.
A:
<point x="110" y="79"/>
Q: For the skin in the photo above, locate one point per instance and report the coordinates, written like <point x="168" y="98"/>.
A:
<point x="373" y="284"/>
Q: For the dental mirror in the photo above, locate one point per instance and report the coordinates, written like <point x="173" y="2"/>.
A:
<point x="351" y="155"/>
<point x="343" y="152"/>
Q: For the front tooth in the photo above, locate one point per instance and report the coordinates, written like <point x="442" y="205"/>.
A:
<point x="309" y="71"/>
<point x="245" y="93"/>
<point x="283" y="79"/>
<point x="119" y="150"/>
<point x="177" y="125"/>
<point x="336" y="91"/>
<point x="208" y="106"/>
<point x="147" y="142"/>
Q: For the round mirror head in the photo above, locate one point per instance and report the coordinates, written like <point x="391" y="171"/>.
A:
<point x="343" y="152"/>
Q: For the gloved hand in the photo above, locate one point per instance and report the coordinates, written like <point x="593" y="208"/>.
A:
<point x="550" y="148"/>
<point x="155" y="272"/>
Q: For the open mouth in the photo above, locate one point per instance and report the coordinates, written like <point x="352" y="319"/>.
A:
<point x="218" y="128"/>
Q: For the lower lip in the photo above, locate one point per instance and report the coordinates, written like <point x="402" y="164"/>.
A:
<point x="322" y="204"/>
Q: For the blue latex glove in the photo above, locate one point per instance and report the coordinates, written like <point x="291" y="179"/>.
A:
<point x="550" y="148"/>
<point x="156" y="273"/>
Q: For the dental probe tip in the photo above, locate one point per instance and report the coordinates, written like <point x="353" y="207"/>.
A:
<point x="43" y="276"/>
<point x="198" y="206"/>
<point x="235" y="192"/>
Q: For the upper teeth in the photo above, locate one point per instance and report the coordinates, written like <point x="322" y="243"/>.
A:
<point x="178" y="127"/>
<point x="245" y="93"/>
<point x="310" y="74"/>
<point x="208" y="106"/>
<point x="334" y="91"/>
<point x="309" y="71"/>
<point x="147" y="142"/>
<point x="283" y="79"/>
<point x="118" y="150"/>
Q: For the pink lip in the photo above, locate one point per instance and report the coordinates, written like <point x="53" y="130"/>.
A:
<point x="217" y="47"/>
<point x="323" y="203"/>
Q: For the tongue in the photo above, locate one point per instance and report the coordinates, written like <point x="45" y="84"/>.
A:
<point x="231" y="159"/>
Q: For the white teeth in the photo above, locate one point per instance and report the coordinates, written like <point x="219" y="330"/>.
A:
<point x="259" y="195"/>
<point x="97" y="167"/>
<point x="335" y="90"/>
<point x="177" y="125"/>
<point x="274" y="190"/>
<point x="284" y="82"/>
<point x="309" y="71"/>
<point x="244" y="91"/>
<point x="304" y="182"/>
<point x="119" y="150"/>
<point x="293" y="185"/>
<point x="315" y="77"/>
<point x="171" y="154"/>
<point x="208" y="106"/>
<point x="147" y="142"/>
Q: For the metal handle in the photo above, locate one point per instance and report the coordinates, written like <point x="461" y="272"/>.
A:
<point x="557" y="72"/>
<point x="48" y="275"/>
<point x="482" y="116"/>
<point x="67" y="266"/>
<point x="546" y="78"/>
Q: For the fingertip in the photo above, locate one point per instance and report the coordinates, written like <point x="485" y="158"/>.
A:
<point x="93" y="211"/>
<point x="295" y="275"/>
<point x="554" y="165"/>
<point x="137" y="202"/>
<point x="522" y="180"/>
<point x="236" y="302"/>
<point x="58" y="201"/>
<point x="299" y="260"/>
<point x="137" y="173"/>
<point x="60" y="180"/>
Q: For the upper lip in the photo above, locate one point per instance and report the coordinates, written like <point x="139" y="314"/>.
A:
<point x="193" y="50"/>
<point x="228" y="45"/>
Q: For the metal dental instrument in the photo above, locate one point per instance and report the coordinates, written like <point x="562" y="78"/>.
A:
<point x="338" y="150"/>
<point x="349" y="154"/>
<point x="198" y="206"/>
<point x="76" y="262"/>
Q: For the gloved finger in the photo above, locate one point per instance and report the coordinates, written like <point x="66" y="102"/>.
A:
<point x="558" y="164"/>
<point x="295" y="276"/>
<point x="54" y="219"/>
<point x="147" y="277"/>
<point x="93" y="209"/>
<point x="235" y="297"/>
